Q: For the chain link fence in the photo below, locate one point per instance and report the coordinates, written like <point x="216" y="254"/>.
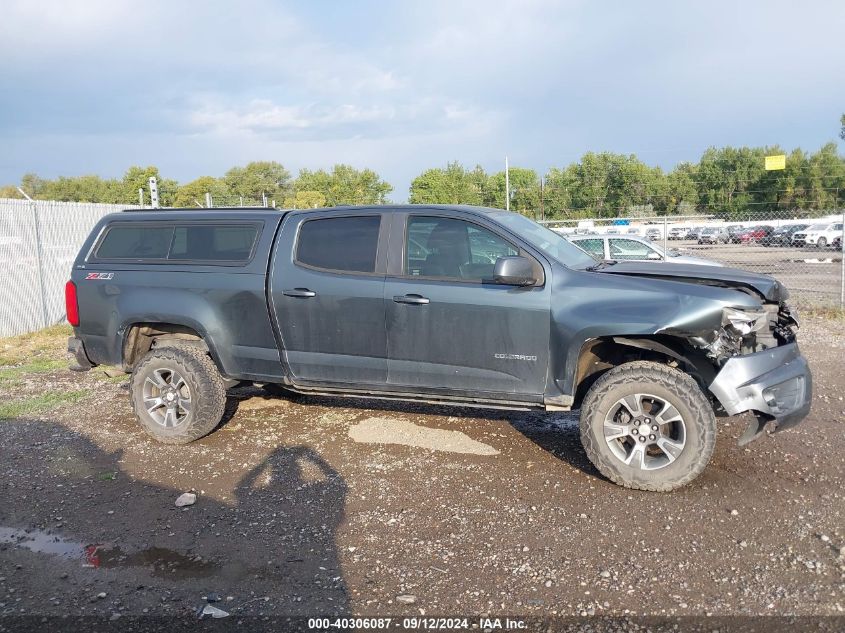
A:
<point x="38" y="243"/>
<point x="804" y="252"/>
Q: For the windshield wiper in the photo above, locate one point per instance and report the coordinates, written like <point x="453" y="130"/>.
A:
<point x="602" y="264"/>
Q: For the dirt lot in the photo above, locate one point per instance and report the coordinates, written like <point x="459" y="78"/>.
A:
<point x="322" y="506"/>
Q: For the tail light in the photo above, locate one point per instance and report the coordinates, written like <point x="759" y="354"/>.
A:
<point x="71" y="304"/>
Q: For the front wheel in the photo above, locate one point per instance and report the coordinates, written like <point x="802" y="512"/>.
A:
<point x="648" y="426"/>
<point x="822" y="243"/>
<point x="177" y="393"/>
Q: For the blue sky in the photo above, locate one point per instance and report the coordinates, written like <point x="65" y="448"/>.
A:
<point x="197" y="87"/>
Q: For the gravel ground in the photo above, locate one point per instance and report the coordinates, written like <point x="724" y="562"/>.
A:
<point x="320" y="506"/>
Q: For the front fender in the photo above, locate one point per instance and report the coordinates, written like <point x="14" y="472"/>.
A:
<point x="587" y="306"/>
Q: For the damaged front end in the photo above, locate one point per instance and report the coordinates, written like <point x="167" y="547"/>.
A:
<point x="760" y="368"/>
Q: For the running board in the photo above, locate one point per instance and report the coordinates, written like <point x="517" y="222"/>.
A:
<point x="427" y="399"/>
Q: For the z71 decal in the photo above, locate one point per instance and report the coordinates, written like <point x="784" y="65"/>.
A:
<point x="99" y="275"/>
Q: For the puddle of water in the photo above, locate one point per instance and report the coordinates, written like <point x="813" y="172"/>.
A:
<point x="41" y="542"/>
<point x="160" y="561"/>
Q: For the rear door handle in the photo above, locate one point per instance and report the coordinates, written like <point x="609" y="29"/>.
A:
<point x="416" y="300"/>
<point x="299" y="292"/>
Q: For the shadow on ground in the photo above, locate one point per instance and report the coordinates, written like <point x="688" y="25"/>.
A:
<point x="80" y="525"/>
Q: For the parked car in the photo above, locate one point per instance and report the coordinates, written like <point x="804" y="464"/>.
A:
<point x="654" y="233"/>
<point x="604" y="247"/>
<point x="782" y="236"/>
<point x="756" y="234"/>
<point x="714" y="235"/>
<point x="693" y="233"/>
<point x="735" y="231"/>
<point x="492" y="310"/>
<point x="677" y="233"/>
<point x="819" y="235"/>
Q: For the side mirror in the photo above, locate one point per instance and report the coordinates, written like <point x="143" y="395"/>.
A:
<point x="514" y="271"/>
<point x="653" y="255"/>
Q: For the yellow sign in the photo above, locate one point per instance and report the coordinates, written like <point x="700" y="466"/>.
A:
<point x="776" y="162"/>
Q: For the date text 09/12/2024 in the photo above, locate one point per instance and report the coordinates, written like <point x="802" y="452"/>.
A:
<point x="417" y="623"/>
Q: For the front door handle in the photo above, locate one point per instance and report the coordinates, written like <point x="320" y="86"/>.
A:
<point x="299" y="292"/>
<point x="416" y="300"/>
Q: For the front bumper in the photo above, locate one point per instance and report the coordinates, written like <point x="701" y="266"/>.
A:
<point x="77" y="349"/>
<point x="776" y="384"/>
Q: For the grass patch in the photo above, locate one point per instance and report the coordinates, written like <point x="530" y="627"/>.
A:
<point x="39" y="404"/>
<point x="50" y="342"/>
<point x="38" y="366"/>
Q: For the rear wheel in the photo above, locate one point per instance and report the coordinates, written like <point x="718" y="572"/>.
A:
<point x="648" y="426"/>
<point x="177" y="394"/>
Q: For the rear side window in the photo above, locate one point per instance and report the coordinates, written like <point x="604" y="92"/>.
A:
<point x="136" y="241"/>
<point x="185" y="242"/>
<point x="594" y="247"/>
<point x="217" y="243"/>
<point x="345" y="244"/>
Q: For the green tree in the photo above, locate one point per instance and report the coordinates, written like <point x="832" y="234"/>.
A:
<point x="729" y="180"/>
<point x="88" y="188"/>
<point x="32" y="184"/>
<point x="257" y="179"/>
<point x="681" y="191"/>
<point x="305" y="200"/>
<point x="452" y="185"/>
<point x="137" y="178"/>
<point x="524" y="191"/>
<point x="344" y="185"/>
<point x="190" y="193"/>
<point x="10" y="191"/>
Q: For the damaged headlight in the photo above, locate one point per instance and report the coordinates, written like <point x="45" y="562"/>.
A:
<point x="743" y="322"/>
<point x="736" y="324"/>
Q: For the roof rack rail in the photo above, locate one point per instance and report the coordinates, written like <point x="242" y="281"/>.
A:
<point x="180" y="209"/>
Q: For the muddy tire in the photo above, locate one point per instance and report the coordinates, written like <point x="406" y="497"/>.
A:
<point x="177" y="394"/>
<point x="648" y="426"/>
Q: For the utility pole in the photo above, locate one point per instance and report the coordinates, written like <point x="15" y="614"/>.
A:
<point x="507" y="186"/>
<point x="542" y="208"/>
<point x="207" y="199"/>
<point x="141" y="196"/>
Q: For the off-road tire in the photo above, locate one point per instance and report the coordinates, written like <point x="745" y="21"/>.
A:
<point x="207" y="390"/>
<point x="677" y="388"/>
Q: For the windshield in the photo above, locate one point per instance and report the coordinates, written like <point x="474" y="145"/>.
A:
<point x="819" y="227"/>
<point x="551" y="243"/>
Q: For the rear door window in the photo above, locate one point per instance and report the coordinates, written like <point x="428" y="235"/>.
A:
<point x="135" y="241"/>
<point x="344" y="244"/>
<point x="594" y="247"/>
<point x="628" y="249"/>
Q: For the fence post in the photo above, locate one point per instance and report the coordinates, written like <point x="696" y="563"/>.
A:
<point x="842" y="264"/>
<point x="40" y="257"/>
<point x="665" y="237"/>
<point x="39" y="254"/>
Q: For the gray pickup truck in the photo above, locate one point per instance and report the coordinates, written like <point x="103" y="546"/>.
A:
<point x="441" y="304"/>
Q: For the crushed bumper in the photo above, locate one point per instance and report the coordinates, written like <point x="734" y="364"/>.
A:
<point x="776" y="384"/>
<point x="77" y="349"/>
